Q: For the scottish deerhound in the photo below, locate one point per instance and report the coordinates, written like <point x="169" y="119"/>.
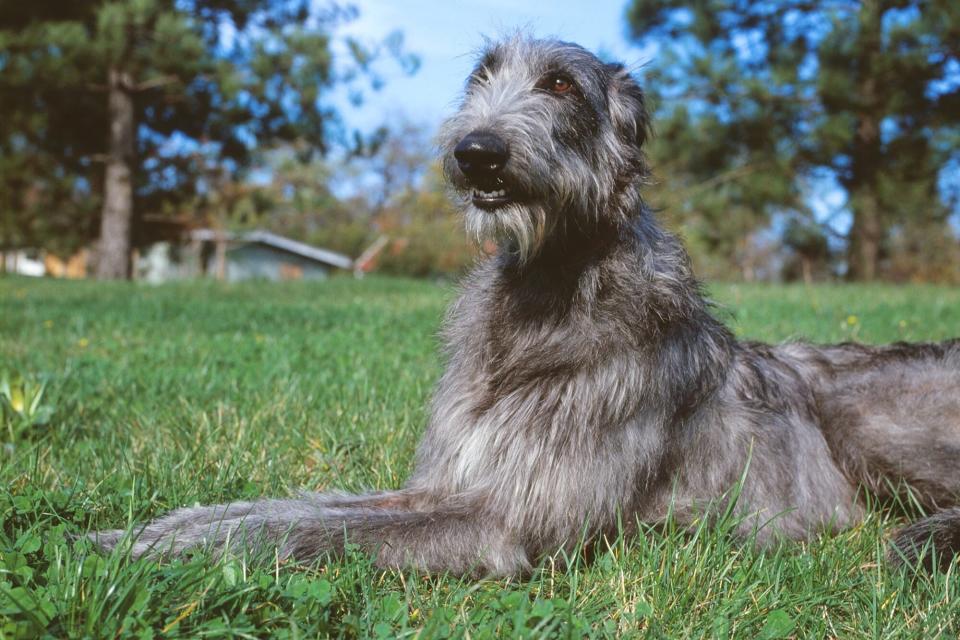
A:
<point x="587" y="382"/>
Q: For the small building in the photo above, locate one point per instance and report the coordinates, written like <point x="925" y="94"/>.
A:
<point x="263" y="255"/>
<point x="25" y="262"/>
<point x="168" y="250"/>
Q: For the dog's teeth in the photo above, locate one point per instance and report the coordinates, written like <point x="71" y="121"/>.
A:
<point x="478" y="193"/>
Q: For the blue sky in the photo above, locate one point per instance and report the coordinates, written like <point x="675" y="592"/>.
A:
<point x="445" y="35"/>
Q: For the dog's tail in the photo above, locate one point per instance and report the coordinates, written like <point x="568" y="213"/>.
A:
<point x="399" y="528"/>
<point x="931" y="543"/>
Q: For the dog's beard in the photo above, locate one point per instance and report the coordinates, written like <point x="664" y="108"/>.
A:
<point x="519" y="228"/>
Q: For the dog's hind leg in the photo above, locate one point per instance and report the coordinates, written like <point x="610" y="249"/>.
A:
<point x="892" y="418"/>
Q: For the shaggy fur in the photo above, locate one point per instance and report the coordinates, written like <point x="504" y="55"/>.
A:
<point x="587" y="382"/>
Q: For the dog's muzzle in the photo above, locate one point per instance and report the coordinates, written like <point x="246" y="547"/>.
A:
<point x="481" y="156"/>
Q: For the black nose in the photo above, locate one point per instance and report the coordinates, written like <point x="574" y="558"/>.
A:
<point x="481" y="154"/>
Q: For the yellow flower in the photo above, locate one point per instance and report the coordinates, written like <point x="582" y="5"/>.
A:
<point x="16" y="398"/>
<point x="82" y="343"/>
<point x="852" y="320"/>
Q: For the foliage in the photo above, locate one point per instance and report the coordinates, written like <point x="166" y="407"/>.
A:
<point x="22" y="406"/>
<point x="762" y="103"/>
<point x="809" y="251"/>
<point x="397" y="192"/>
<point x="430" y="240"/>
<point x="212" y="82"/>
<point x="168" y="396"/>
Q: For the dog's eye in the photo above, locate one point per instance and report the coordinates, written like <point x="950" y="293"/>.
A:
<point x="559" y="84"/>
<point x="556" y="82"/>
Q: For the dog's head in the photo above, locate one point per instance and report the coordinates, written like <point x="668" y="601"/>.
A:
<point x="546" y="139"/>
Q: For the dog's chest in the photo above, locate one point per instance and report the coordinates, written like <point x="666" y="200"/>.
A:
<point x="550" y="469"/>
<point x="555" y="431"/>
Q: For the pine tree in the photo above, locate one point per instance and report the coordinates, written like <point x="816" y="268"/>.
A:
<point x="767" y="98"/>
<point x="134" y="103"/>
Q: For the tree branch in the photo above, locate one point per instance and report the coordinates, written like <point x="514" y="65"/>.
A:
<point x="155" y="83"/>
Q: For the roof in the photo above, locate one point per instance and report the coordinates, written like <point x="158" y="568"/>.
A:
<point x="325" y="256"/>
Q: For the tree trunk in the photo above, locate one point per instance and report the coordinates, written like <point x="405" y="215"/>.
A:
<point x="866" y="234"/>
<point x="868" y="231"/>
<point x="114" y="248"/>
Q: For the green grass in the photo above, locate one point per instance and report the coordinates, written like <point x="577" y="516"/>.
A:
<point x="162" y="397"/>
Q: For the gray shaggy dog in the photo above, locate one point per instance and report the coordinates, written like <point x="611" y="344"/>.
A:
<point x="588" y="383"/>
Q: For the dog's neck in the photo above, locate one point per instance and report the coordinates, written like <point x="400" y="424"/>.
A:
<point x="569" y="247"/>
<point x="623" y="252"/>
<point x="578" y="239"/>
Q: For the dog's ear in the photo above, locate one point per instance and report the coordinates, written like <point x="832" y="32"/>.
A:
<point x="628" y="106"/>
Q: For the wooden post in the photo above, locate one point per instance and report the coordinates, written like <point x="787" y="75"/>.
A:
<point x="221" y="258"/>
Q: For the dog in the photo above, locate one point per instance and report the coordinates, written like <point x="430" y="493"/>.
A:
<point x="587" y="382"/>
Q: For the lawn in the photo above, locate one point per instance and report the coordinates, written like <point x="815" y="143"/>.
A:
<point x="159" y="397"/>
